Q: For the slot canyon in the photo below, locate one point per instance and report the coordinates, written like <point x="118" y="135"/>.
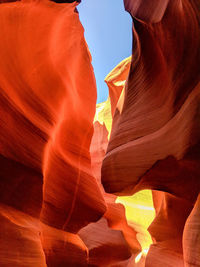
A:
<point x="113" y="184"/>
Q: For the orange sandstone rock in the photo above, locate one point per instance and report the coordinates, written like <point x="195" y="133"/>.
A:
<point x="47" y="97"/>
<point x="154" y="142"/>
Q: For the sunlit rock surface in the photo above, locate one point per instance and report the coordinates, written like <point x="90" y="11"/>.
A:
<point x="154" y="142"/>
<point x="57" y="207"/>
<point x="48" y="101"/>
<point x="110" y="241"/>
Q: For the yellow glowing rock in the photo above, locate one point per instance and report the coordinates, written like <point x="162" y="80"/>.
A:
<point x="140" y="214"/>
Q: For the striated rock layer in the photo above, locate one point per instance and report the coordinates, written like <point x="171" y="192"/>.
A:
<point x="47" y="97"/>
<point x="110" y="241"/>
<point x="54" y="210"/>
<point x="51" y="150"/>
<point x="154" y="142"/>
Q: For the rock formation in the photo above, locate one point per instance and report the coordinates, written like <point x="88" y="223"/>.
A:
<point x="47" y="96"/>
<point x="154" y="142"/>
<point x="59" y="205"/>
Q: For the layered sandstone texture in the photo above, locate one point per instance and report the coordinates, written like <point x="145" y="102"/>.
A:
<point x="115" y="184"/>
<point x="54" y="211"/>
<point x="47" y="106"/>
<point x="155" y="138"/>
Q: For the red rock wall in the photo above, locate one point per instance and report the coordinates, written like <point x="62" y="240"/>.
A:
<point x="50" y="186"/>
<point x="54" y="210"/>
<point x="47" y="96"/>
<point x="154" y="142"/>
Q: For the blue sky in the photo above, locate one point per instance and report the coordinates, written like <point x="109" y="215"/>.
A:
<point x="108" y="33"/>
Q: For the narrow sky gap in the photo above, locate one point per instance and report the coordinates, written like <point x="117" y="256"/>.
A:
<point x="109" y="36"/>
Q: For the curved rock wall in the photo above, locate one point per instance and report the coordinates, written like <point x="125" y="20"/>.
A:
<point x="154" y="142"/>
<point x="58" y="202"/>
<point x="47" y="96"/>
